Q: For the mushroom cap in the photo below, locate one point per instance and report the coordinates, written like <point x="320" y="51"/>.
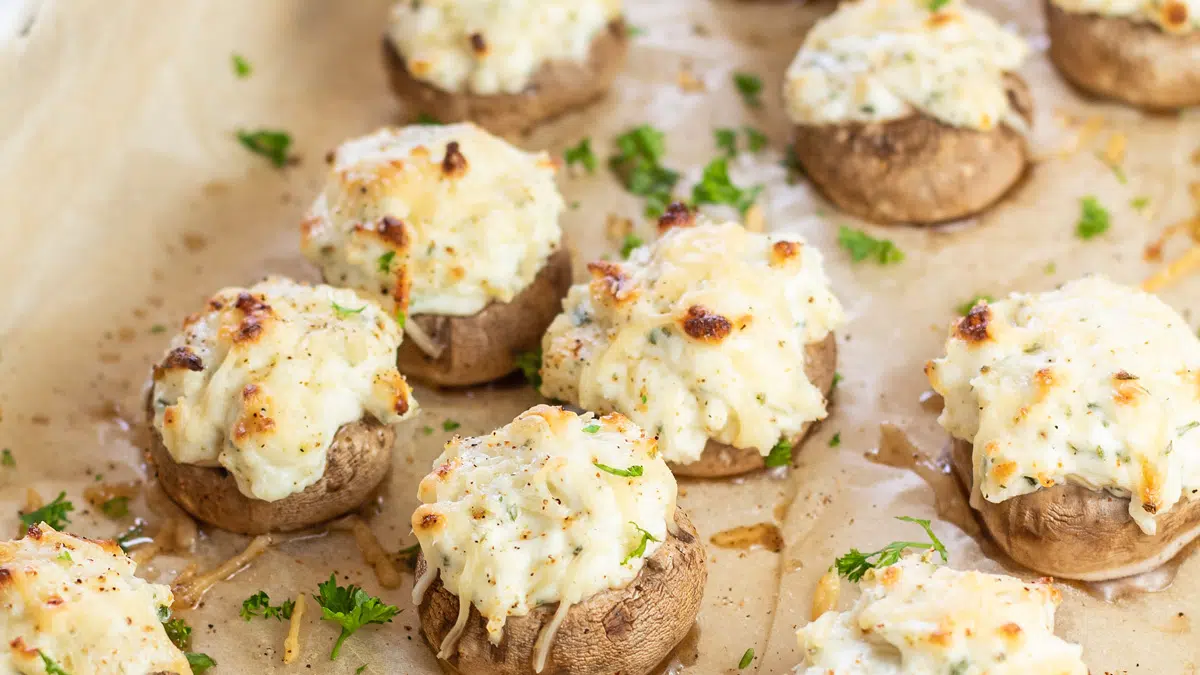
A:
<point x="484" y="346"/>
<point x="916" y="169"/>
<point x="556" y="88"/>
<point x="720" y="460"/>
<point x="1131" y="61"/>
<point x="1072" y="532"/>
<point x="357" y="461"/>
<point x="627" y="630"/>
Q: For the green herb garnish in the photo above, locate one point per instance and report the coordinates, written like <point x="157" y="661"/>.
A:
<point x="51" y="667"/>
<point x="7" y="459"/>
<point x="637" y="165"/>
<point x="965" y="308"/>
<point x="530" y="364"/>
<point x="747" y="659"/>
<point x="158" y="328"/>
<point x="715" y="187"/>
<point x="750" y="87"/>
<point x="385" y="261"/>
<point x="117" y="507"/>
<point x="755" y="139"/>
<point x="53" y="514"/>
<point x="259" y="604"/>
<point x="129" y="537"/>
<point x="241" y="67"/>
<point x="178" y="632"/>
<point x="581" y="154"/>
<point x="935" y="5"/>
<point x="863" y="246"/>
<point x="780" y="455"/>
<point x="1186" y="428"/>
<point x="591" y="428"/>
<point x="1093" y="219"/>
<point x="450" y="425"/>
<point x="344" y="312"/>
<point x="426" y="119"/>
<point x="351" y="608"/>
<point x="270" y="144"/>
<point x="200" y="663"/>
<point x="836" y="440"/>
<point x="726" y="140"/>
<point x="641" y="547"/>
<point x="632" y="472"/>
<point x="1139" y="203"/>
<point x="855" y="564"/>
<point x="631" y="242"/>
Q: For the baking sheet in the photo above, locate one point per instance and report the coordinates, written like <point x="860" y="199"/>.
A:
<point x="127" y="201"/>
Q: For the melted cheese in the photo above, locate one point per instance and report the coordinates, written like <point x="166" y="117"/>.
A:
<point x="1094" y="384"/>
<point x="494" y="46"/>
<point x="701" y="335"/>
<point x="434" y="219"/>
<point x="1173" y="16"/>
<point x="916" y="617"/>
<point x="262" y="380"/>
<point x="876" y="60"/>
<point x="79" y="603"/>
<point x="524" y="517"/>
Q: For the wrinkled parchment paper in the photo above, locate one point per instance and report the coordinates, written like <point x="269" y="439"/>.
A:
<point x="126" y="201"/>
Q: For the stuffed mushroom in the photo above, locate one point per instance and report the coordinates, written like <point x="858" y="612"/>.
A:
<point x="717" y="340"/>
<point x="554" y="545"/>
<point x="1144" y="53"/>
<point x="917" y="616"/>
<point x="1076" y="415"/>
<point x="910" y="111"/>
<point x="271" y="409"/>
<point x="504" y="65"/>
<point x="75" y="604"/>
<point x="453" y="231"/>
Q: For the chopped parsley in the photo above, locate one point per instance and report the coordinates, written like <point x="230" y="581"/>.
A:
<point x="965" y="308"/>
<point x="273" y="145"/>
<point x="7" y="459"/>
<point x="52" y="668"/>
<point x="344" y="312"/>
<point x="863" y="246"/>
<point x="241" y="67"/>
<point x="426" y="119"/>
<point x="259" y="604"/>
<point x="634" y="31"/>
<point x="1093" y="219"/>
<point x="632" y="472"/>
<point x="726" y="140"/>
<point x="200" y="663"/>
<point x="385" y="261"/>
<point x="837" y="377"/>
<point x="935" y="5"/>
<point x="64" y="556"/>
<point x="836" y="440"/>
<point x="750" y="87"/>
<point x="53" y="514"/>
<point x="780" y="455"/>
<point x="581" y="154"/>
<point x="178" y="632"/>
<point x="1139" y="203"/>
<point x="1050" y="268"/>
<point x="591" y="428"/>
<point x="715" y="187"/>
<point x="530" y="364"/>
<point x="631" y="242"/>
<point x="158" y="328"/>
<point x="755" y="139"/>
<point x="1186" y="428"/>
<point x="855" y="564"/>
<point x="360" y="669"/>
<point x="401" y="318"/>
<point x="637" y="165"/>
<point x="117" y="507"/>
<point x="427" y="430"/>
<point x="747" y="659"/>
<point x="450" y="425"/>
<point x="351" y="608"/>
<point x="641" y="547"/>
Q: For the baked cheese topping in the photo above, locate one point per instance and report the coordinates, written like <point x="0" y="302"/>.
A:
<point x="494" y="46"/>
<point x="699" y="336"/>
<point x="261" y="381"/>
<point x="1173" y="16"/>
<point x="877" y="60"/>
<point x="433" y="219"/>
<point x="1094" y="384"/>
<point x="919" y="617"/>
<point x="530" y="515"/>
<point x="77" y="602"/>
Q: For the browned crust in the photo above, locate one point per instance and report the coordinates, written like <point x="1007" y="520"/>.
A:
<point x="1072" y="532"/>
<point x="483" y="347"/>
<point x="915" y="169"/>
<point x="558" y="87"/>
<point x="627" y="630"/>
<point x="358" y="461"/>
<point x="1130" y="61"/>
<point x="720" y="460"/>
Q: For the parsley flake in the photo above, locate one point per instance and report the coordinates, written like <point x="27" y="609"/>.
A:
<point x="7" y="459"/>
<point x="863" y="246"/>
<point x="270" y="144"/>
<point x="52" y="668"/>
<point x="715" y="187"/>
<point x="385" y="261"/>
<point x="836" y="440"/>
<point x="591" y="428"/>
<point x="632" y="472"/>
<point x="178" y="632"/>
<point x="637" y="165"/>
<point x="259" y="604"/>
<point x="117" y="507"/>
<point x="581" y="154"/>
<point x="351" y="608"/>
<point x="425" y="119"/>
<point x="344" y="312"/>
<point x="965" y="308"/>
<point x="780" y="455"/>
<point x="53" y="514"/>
<point x="1139" y="203"/>
<point x="747" y="659"/>
<point x="200" y="663"/>
<point x="158" y="328"/>
<point x="64" y="556"/>
<point x="935" y="5"/>
<point x="855" y="564"/>
<point x="450" y="425"/>
<point x="1093" y="219"/>
<point x="530" y="364"/>
<point x="726" y="140"/>
<point x="755" y="139"/>
<point x="241" y="67"/>
<point x="641" y="547"/>
<point x="631" y="242"/>
<point x="750" y="87"/>
<point x="1186" y="428"/>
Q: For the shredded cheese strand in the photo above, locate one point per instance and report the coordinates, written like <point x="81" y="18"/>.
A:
<point x="1175" y="270"/>
<point x="374" y="554"/>
<point x="291" y="644"/>
<point x="188" y="594"/>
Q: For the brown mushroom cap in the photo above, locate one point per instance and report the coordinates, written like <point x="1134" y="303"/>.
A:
<point x="556" y="88"/>
<point x="358" y="460"/>
<point x="484" y="346"/>
<point x="1131" y="61"/>
<point x="1072" y="532"/>
<point x="627" y="630"/>
<point x="720" y="460"/>
<point x="915" y="169"/>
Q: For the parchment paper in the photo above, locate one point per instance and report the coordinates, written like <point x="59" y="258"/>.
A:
<point x="127" y="201"/>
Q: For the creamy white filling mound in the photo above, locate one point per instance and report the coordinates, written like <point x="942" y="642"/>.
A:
<point x="877" y="60"/>
<point x="1095" y="384"/>
<point x="432" y="219"/>
<point x="494" y="46"/>
<point x="261" y="381"/>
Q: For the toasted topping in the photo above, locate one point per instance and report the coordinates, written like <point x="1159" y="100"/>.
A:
<point x="526" y="515"/>
<point x="267" y="408"/>
<point x="434" y="219"/>
<point x="1173" y="16"/>
<point x="79" y="602"/>
<point x="919" y="617"/>
<point x="490" y="46"/>
<point x="1094" y="384"/>
<point x="974" y="326"/>
<point x="697" y="336"/>
<point x="877" y="60"/>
